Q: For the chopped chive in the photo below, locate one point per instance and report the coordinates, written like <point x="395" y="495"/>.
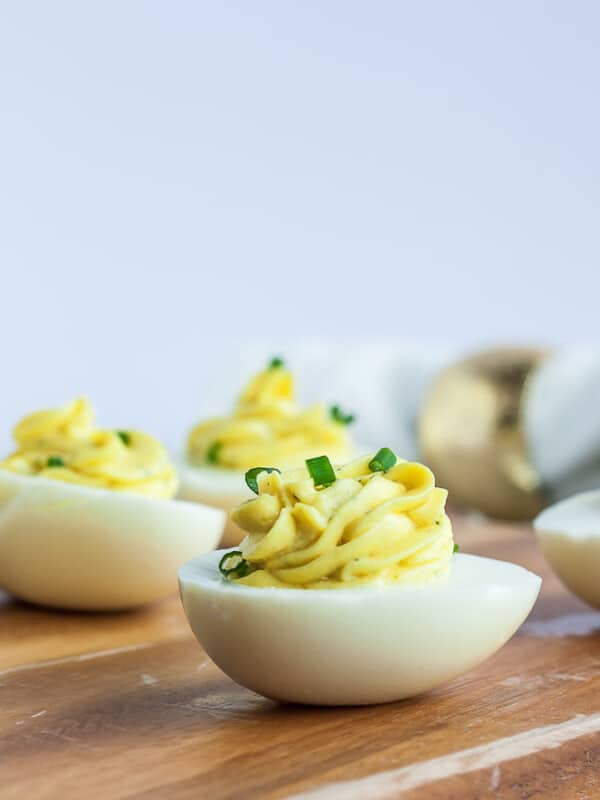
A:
<point x="456" y="548"/>
<point x="212" y="454"/>
<point x="338" y="415"/>
<point x="383" y="460"/>
<point x="240" y="568"/>
<point x="55" y="461"/>
<point x="321" y="471"/>
<point x="276" y="363"/>
<point x="125" y="437"/>
<point x="251" y="476"/>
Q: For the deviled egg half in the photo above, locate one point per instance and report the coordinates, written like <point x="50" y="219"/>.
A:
<point x="569" y="534"/>
<point x="265" y="427"/>
<point x="346" y="589"/>
<point x="86" y="516"/>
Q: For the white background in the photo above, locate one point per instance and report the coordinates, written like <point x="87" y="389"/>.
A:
<point x="180" y="178"/>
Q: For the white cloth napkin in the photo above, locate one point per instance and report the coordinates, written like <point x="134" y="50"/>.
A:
<point x="562" y="422"/>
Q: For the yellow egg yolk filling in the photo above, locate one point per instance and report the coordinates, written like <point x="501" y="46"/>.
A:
<point x="366" y="527"/>
<point x="64" y="444"/>
<point x="267" y="427"/>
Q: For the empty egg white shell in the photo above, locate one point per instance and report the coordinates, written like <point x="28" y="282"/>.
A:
<point x="83" y="548"/>
<point x="219" y="488"/>
<point x="360" y="645"/>
<point x="569" y="534"/>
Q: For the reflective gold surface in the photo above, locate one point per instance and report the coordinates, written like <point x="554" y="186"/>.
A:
<point x="471" y="433"/>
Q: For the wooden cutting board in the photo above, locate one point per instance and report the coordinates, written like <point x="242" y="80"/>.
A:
<point x="128" y="705"/>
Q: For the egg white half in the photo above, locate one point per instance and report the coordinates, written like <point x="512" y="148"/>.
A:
<point x="361" y="645"/>
<point x="84" y="548"/>
<point x="569" y="534"/>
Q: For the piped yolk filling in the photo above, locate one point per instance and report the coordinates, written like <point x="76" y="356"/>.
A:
<point x="366" y="527"/>
<point x="267" y="427"/>
<point x="64" y="444"/>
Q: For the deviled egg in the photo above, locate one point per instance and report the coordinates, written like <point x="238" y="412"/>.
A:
<point x="86" y="516"/>
<point x="346" y="589"/>
<point x="265" y="427"/>
<point x="569" y="534"/>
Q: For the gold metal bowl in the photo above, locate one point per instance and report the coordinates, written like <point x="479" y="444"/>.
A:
<point x="471" y="433"/>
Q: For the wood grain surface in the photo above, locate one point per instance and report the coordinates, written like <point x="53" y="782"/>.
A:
<point x="129" y="706"/>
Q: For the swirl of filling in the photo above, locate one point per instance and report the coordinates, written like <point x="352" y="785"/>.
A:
<point x="64" y="444"/>
<point x="267" y="427"/>
<point x="366" y="527"/>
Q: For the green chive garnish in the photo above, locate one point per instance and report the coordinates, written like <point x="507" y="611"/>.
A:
<point x="383" y="460"/>
<point x="238" y="570"/>
<point x="276" y="363"/>
<point x="252" y="476"/>
<point x="321" y="471"/>
<point x="212" y="454"/>
<point x="124" y="437"/>
<point x="55" y="461"/>
<point x="456" y="548"/>
<point x="338" y="415"/>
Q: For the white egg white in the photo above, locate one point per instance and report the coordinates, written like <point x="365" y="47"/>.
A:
<point x="569" y="534"/>
<point x="216" y="487"/>
<point x="360" y="645"/>
<point x="84" y="548"/>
